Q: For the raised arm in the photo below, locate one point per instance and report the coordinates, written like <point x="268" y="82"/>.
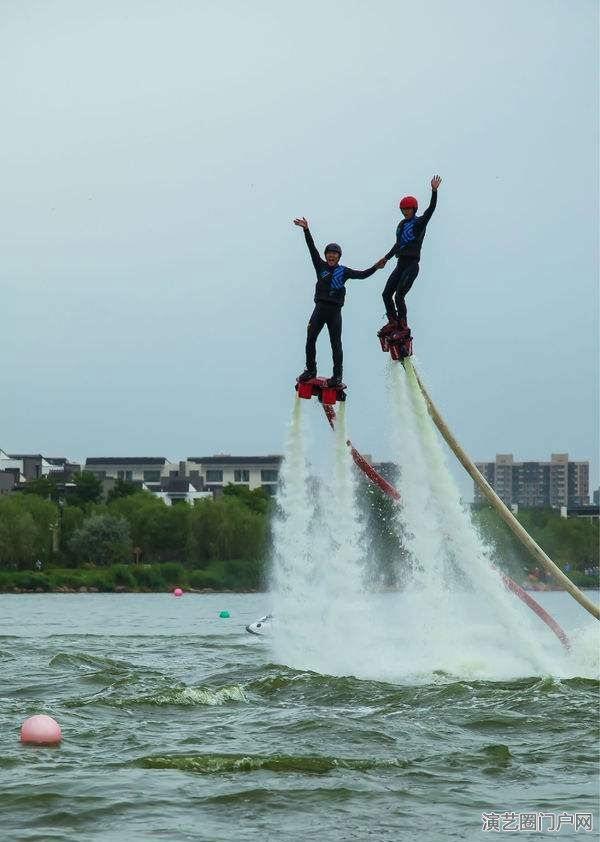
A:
<point x="314" y="254"/>
<point x="435" y="183"/>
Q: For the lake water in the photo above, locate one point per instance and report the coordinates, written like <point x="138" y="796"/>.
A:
<point x="180" y="726"/>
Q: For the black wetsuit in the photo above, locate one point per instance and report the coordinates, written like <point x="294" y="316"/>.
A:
<point x="407" y="248"/>
<point x="330" y="292"/>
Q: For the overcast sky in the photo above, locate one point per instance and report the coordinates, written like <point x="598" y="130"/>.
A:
<point x="154" y="293"/>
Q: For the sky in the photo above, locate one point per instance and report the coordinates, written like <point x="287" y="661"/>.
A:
<point x="154" y="293"/>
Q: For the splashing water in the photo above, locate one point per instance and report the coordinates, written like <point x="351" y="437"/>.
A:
<point x="454" y="619"/>
<point x="318" y="594"/>
<point x="452" y="564"/>
<point x="292" y="563"/>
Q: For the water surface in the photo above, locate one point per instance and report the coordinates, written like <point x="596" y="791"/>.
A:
<point x="178" y="725"/>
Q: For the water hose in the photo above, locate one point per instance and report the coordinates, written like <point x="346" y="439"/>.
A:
<point x="507" y="516"/>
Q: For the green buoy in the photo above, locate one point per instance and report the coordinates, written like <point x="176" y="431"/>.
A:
<point x="224" y="615"/>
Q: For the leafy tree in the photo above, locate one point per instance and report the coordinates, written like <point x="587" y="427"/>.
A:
<point x="70" y="519"/>
<point x="46" y="487"/>
<point x="102" y="539"/>
<point x="568" y="541"/>
<point x="257" y="500"/>
<point x="87" y="489"/>
<point x="26" y="524"/>
<point x="161" y="531"/>
<point x="123" y="488"/>
<point x="82" y="490"/>
<point x="225" y="529"/>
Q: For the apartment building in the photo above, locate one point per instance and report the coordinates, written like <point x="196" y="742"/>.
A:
<point x="559" y="482"/>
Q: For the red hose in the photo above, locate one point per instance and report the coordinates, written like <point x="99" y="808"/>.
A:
<point x="535" y="606"/>
<point x="370" y="472"/>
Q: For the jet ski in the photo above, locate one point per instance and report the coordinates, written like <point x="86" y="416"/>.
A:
<point x="261" y="626"/>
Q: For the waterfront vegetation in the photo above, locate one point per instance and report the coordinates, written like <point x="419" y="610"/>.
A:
<point x="56" y="538"/>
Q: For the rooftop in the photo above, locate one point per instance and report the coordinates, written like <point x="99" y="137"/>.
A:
<point x="125" y="460"/>
<point x="235" y="460"/>
<point x="25" y="456"/>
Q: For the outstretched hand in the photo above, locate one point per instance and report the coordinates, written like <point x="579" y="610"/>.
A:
<point x="302" y="222"/>
<point x="435" y="182"/>
<point x="381" y="263"/>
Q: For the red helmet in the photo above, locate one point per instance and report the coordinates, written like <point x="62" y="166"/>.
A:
<point x="408" y="202"/>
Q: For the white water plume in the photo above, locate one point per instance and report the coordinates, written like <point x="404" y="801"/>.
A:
<point x="451" y="563"/>
<point x="291" y="570"/>
<point x="319" y="600"/>
<point x="455" y="619"/>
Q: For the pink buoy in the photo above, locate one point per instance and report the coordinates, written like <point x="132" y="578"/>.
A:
<point x="177" y="592"/>
<point x="41" y="730"/>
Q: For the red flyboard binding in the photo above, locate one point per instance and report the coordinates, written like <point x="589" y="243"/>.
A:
<point x="317" y="387"/>
<point x="397" y="340"/>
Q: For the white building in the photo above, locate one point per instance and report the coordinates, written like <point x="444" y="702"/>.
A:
<point x="215" y="472"/>
<point x="131" y="468"/>
<point x="175" y="490"/>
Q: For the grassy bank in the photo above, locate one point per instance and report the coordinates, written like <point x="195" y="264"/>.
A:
<point x="143" y="578"/>
<point x="157" y="578"/>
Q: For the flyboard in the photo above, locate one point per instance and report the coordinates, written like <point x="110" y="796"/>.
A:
<point x="398" y="343"/>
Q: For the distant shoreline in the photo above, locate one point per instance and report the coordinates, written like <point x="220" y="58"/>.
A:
<point x="205" y="591"/>
<point x="122" y="590"/>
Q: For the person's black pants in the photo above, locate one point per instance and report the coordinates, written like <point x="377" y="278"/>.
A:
<point x="330" y="315"/>
<point x="399" y="283"/>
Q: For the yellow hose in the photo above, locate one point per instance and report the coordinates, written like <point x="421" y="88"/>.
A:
<point x="504" y="512"/>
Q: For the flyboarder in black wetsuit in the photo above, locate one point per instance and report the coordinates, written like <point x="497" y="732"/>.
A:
<point x="407" y="248"/>
<point x="330" y="292"/>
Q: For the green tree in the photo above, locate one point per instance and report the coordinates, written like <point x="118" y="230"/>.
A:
<point x="70" y="519"/>
<point x="87" y="489"/>
<point x="26" y="524"/>
<point x="123" y="488"/>
<point x="46" y="487"/>
<point x="568" y="541"/>
<point x="257" y="500"/>
<point x="161" y="531"/>
<point x="225" y="529"/>
<point x="102" y="539"/>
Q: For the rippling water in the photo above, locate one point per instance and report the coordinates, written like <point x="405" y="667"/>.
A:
<point x="178" y="725"/>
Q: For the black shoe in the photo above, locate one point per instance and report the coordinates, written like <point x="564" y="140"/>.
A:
<point x="333" y="382"/>
<point x="307" y="375"/>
